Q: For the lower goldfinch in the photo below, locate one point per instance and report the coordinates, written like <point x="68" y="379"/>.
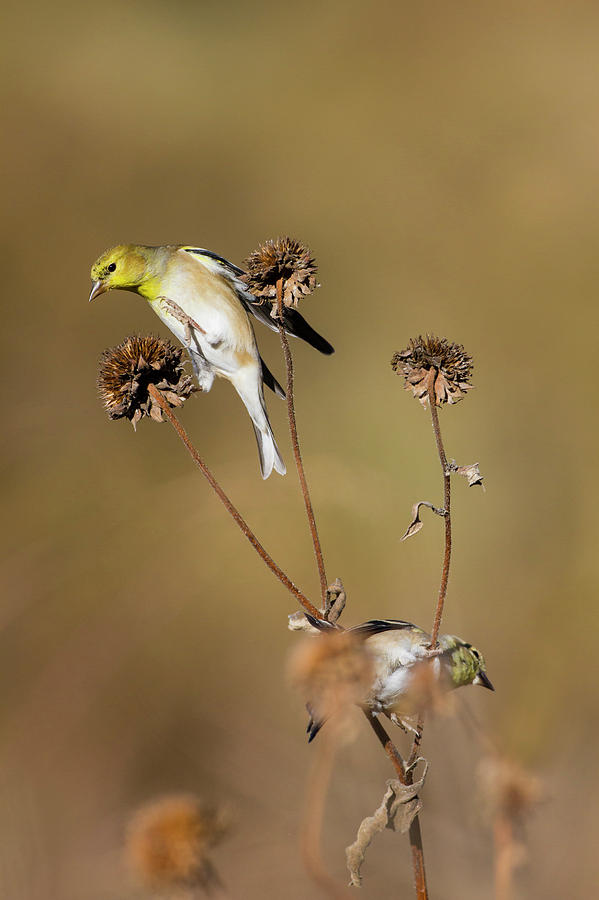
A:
<point x="395" y="648"/>
<point x="201" y="299"/>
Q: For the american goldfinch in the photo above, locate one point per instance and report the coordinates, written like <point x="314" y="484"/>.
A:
<point x="395" y="649"/>
<point x="200" y="297"/>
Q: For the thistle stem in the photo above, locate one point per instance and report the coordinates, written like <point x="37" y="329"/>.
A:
<point x="505" y="855"/>
<point x="415" y="834"/>
<point x="418" y="859"/>
<point x="295" y="444"/>
<point x="387" y="745"/>
<point x="432" y="402"/>
<point x="238" y="518"/>
<point x="316" y="794"/>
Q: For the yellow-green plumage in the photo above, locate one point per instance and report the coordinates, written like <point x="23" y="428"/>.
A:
<point x="396" y="648"/>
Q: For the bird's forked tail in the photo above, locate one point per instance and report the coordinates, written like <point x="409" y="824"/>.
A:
<point x="270" y="458"/>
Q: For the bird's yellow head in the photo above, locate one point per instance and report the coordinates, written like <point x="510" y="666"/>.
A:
<point x="465" y="664"/>
<point x="128" y="267"/>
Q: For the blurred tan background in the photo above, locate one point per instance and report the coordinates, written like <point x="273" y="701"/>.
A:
<point x="442" y="162"/>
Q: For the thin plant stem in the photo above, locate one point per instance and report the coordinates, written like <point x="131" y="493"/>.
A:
<point x="415" y="833"/>
<point x="295" y="444"/>
<point x="387" y="745"/>
<point x="237" y="517"/>
<point x="316" y="794"/>
<point x="432" y="402"/>
<point x="416" y="742"/>
<point x="505" y="855"/>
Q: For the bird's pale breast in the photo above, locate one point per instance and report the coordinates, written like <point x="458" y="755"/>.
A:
<point x="209" y="300"/>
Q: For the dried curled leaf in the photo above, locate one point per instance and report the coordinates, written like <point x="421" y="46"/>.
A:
<point x="472" y="474"/>
<point x="399" y="806"/>
<point x="334" y="605"/>
<point x="335" y="601"/>
<point x="416" y="523"/>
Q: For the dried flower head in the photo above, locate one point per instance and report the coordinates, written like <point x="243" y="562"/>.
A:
<point x="126" y="372"/>
<point x="428" y="357"/>
<point x="285" y="259"/>
<point x="168" y="841"/>
<point x="332" y="670"/>
<point x="427" y="692"/>
<point x="507" y="788"/>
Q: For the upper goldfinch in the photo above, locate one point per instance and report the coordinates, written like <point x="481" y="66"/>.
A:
<point x="395" y="647"/>
<point x="199" y="296"/>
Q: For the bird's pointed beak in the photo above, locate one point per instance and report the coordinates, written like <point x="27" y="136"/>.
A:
<point x="482" y="678"/>
<point x="98" y="287"/>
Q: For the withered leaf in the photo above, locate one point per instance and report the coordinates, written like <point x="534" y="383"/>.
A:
<point x="416" y="523"/>
<point x="472" y="473"/>
<point x="399" y="806"/>
<point x="334" y="601"/>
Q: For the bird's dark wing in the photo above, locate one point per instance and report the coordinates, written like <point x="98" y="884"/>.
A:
<point x="270" y="381"/>
<point x="296" y="325"/>
<point x="314" y="725"/>
<point x="366" y="629"/>
<point x="294" y="322"/>
<point x="321" y="624"/>
<point x="198" y="251"/>
<point x="377" y="626"/>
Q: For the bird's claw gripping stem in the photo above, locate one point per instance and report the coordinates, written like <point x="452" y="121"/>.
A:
<point x="181" y="316"/>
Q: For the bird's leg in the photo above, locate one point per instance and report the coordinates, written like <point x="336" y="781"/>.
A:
<point x="408" y="729"/>
<point x="182" y="317"/>
<point x="397" y="721"/>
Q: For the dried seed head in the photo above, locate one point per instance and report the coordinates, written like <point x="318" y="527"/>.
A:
<point x="507" y="788"/>
<point x="332" y="671"/>
<point x="126" y="372"/>
<point x="284" y="259"/>
<point x="168" y="841"/>
<point x="427" y="691"/>
<point x="450" y="365"/>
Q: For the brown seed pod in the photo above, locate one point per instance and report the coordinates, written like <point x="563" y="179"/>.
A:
<point x="451" y="365"/>
<point x="127" y="371"/>
<point x="282" y="259"/>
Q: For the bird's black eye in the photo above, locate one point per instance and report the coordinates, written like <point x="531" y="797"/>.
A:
<point x="475" y="653"/>
<point x="112" y="267"/>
